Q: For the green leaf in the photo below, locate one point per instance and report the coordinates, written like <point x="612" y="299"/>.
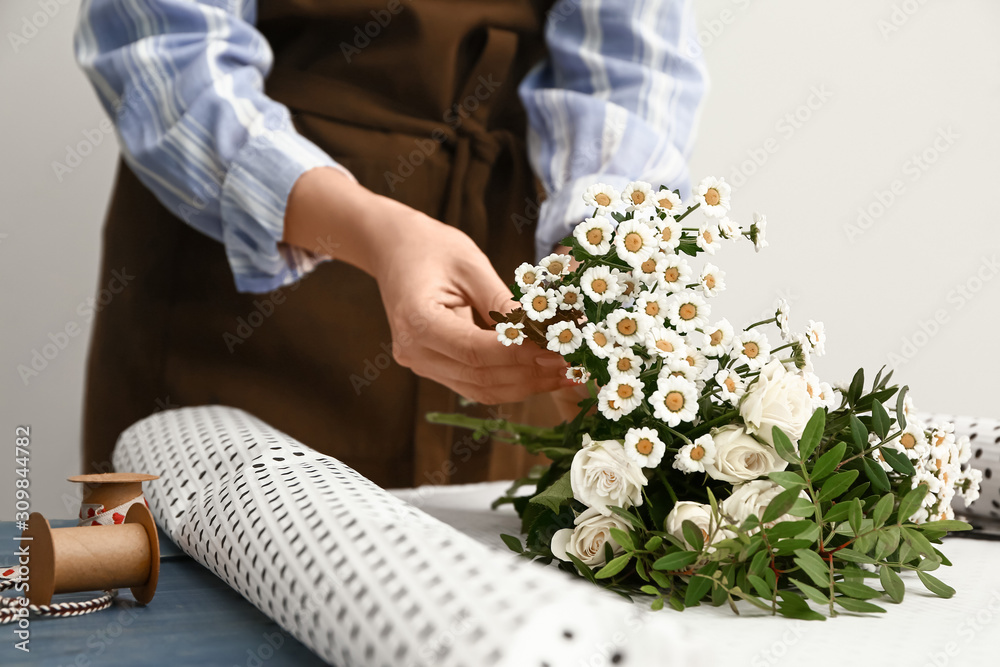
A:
<point x="875" y="474"/>
<point x="614" y="567"/>
<point x="837" y="484"/>
<point x="788" y="529"/>
<point x="653" y="543"/>
<point x="762" y="587"/>
<point x="692" y="535"/>
<point x="811" y="592"/>
<point x="627" y="515"/>
<point x="657" y="604"/>
<point x="855" y="516"/>
<point x="813" y="434"/>
<point x="582" y="568"/>
<point x="837" y="512"/>
<point x="794" y="606"/>
<point x="910" y="503"/>
<point x="900" y="411"/>
<point x="650" y="590"/>
<point x="935" y="585"/>
<point x="880" y="420"/>
<point x="857" y="386"/>
<point x="856" y="590"/>
<point x="917" y="540"/>
<point x="623" y="539"/>
<point x="759" y="563"/>
<point x="852" y="556"/>
<point x="556" y="494"/>
<point x="892" y="584"/>
<point x="787" y="479"/>
<point x="790" y="546"/>
<point x="829" y="461"/>
<point x="883" y="508"/>
<point x="675" y="561"/>
<point x="783" y="446"/>
<point x="886" y="542"/>
<point x="802" y="507"/>
<point x="699" y="587"/>
<point x="814" y="566"/>
<point x="859" y="434"/>
<point x="897" y="461"/>
<point x="859" y="606"/>
<point x="950" y="525"/>
<point x="512" y="543"/>
<point x="780" y="505"/>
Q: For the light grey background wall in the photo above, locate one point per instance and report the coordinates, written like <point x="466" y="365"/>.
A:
<point x="866" y="131"/>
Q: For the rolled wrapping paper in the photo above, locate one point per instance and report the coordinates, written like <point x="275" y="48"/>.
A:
<point x="362" y="577"/>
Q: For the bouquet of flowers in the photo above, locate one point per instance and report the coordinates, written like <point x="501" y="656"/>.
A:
<point x="709" y="464"/>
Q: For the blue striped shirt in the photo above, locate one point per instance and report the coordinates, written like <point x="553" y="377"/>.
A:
<point x="183" y="80"/>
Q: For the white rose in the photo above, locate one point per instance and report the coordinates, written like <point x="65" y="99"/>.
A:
<point x="602" y="475"/>
<point x="753" y="498"/>
<point x="587" y="540"/>
<point x="698" y="514"/>
<point x="777" y="398"/>
<point x="741" y="458"/>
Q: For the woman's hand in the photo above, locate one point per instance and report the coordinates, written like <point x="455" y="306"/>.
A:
<point x="432" y="278"/>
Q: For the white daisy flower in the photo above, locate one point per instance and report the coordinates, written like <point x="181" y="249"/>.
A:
<point x="708" y="238"/>
<point x="781" y="312"/>
<point x="879" y="458"/>
<point x="652" y="304"/>
<point x="600" y="284"/>
<point x="713" y="195"/>
<point x="622" y="395"/>
<point x="676" y="273"/>
<point x="635" y="241"/>
<point x="674" y="401"/>
<point x="638" y="195"/>
<point x="578" y="374"/>
<point x="648" y="272"/>
<point x="628" y="285"/>
<point x="564" y="338"/>
<point x="663" y="342"/>
<point x="623" y="361"/>
<point x="688" y="311"/>
<point x="556" y="264"/>
<point x="600" y="196"/>
<point x="570" y="298"/>
<point x="529" y="275"/>
<point x="751" y="348"/>
<point x="712" y="281"/>
<point x="758" y="231"/>
<point x="677" y="366"/>
<point x="669" y="234"/>
<point x="816" y="334"/>
<point x="509" y="333"/>
<point x="913" y="442"/>
<point x="600" y="342"/>
<point x="820" y="392"/>
<point x="718" y="339"/>
<point x="801" y="352"/>
<point x="643" y="445"/>
<point x="728" y="229"/>
<point x="697" y="360"/>
<point x="731" y="386"/>
<point x="668" y="201"/>
<point x="694" y="456"/>
<point x="626" y="327"/>
<point x="594" y="235"/>
<point x="540" y="304"/>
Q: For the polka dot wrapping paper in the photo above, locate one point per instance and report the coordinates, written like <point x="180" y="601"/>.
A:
<point x="360" y="576"/>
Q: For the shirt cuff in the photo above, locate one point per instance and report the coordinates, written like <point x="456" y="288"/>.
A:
<point x="254" y="196"/>
<point x="565" y="208"/>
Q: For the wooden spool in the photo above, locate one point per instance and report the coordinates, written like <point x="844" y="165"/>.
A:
<point x="92" y="558"/>
<point x="112" y="489"/>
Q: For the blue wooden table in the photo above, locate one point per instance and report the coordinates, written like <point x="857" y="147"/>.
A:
<point x="195" y="619"/>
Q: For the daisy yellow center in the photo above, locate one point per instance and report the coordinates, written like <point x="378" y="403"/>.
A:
<point x="512" y="333"/>
<point x="648" y="266"/>
<point x="600" y="339"/>
<point x="644" y="446"/>
<point x="809" y="390"/>
<point x="611" y="404"/>
<point x="707" y="235"/>
<point x="628" y="288"/>
<point x="664" y="345"/>
<point x="666" y="203"/>
<point x="751" y="350"/>
<point x="633" y="242"/>
<point x="674" y="401"/>
<point x="671" y="275"/>
<point x="908" y="441"/>
<point x="624" y="365"/>
<point x="600" y="286"/>
<point x="940" y="439"/>
<point x="625" y="391"/>
<point x="638" y="197"/>
<point x="627" y="326"/>
<point x="698" y="453"/>
<point x="666" y="234"/>
<point x="529" y="277"/>
<point x="602" y="199"/>
<point x="539" y="303"/>
<point x="565" y="336"/>
<point x="716" y="336"/>
<point x="710" y="281"/>
<point x="569" y="297"/>
<point x="688" y="311"/>
<point x="730" y="384"/>
<point x="595" y="236"/>
<point x="691" y="361"/>
<point x="556" y="267"/>
<point x="652" y="309"/>
<point x="712" y="197"/>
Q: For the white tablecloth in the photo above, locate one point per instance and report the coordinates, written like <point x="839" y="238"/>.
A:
<point x="922" y="631"/>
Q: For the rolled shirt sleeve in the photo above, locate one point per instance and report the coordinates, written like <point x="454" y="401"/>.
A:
<point x="183" y="81"/>
<point x="616" y="100"/>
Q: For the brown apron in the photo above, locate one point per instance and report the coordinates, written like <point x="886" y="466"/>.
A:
<point x="418" y="100"/>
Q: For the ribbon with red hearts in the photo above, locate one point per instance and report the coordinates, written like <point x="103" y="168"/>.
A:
<point x="92" y="514"/>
